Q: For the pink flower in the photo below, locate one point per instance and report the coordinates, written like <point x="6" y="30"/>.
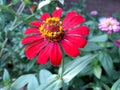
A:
<point x="109" y="24"/>
<point x="117" y="43"/>
<point x="94" y="12"/>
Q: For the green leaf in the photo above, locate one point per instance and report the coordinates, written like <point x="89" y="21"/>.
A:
<point x="119" y="51"/>
<point x="116" y="85"/>
<point x="61" y="1"/>
<point x="43" y="3"/>
<point x="91" y="47"/>
<point x="87" y="70"/>
<point x="30" y="64"/>
<point x="2" y="2"/>
<point x="101" y="38"/>
<point x="5" y="88"/>
<point x="6" y="77"/>
<point x="74" y="67"/>
<point x="2" y="22"/>
<point x="43" y="75"/>
<point x="52" y="83"/>
<point x="15" y="1"/>
<point x="106" y="62"/>
<point x="20" y="82"/>
<point x="106" y="87"/>
<point x="27" y="2"/>
<point x="97" y="71"/>
<point x="29" y="80"/>
<point x="2" y="7"/>
<point x="92" y="24"/>
<point x="33" y="83"/>
<point x="106" y="44"/>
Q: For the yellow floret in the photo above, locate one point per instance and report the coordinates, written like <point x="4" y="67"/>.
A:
<point x="49" y="34"/>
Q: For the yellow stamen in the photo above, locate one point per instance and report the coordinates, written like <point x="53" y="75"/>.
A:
<point x="52" y="29"/>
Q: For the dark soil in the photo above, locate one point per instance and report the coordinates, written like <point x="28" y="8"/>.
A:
<point x="106" y="7"/>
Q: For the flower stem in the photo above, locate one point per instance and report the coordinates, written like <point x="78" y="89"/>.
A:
<point x="19" y="11"/>
<point x="22" y="21"/>
<point x="4" y="43"/>
<point x="62" y="65"/>
<point x="62" y="72"/>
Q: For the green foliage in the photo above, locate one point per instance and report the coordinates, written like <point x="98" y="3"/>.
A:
<point x="97" y="71"/>
<point x="6" y="77"/>
<point x="53" y="82"/>
<point x="101" y="38"/>
<point x="29" y="80"/>
<point x="116" y="85"/>
<point x="74" y="67"/>
<point x="106" y="62"/>
<point x="43" y="75"/>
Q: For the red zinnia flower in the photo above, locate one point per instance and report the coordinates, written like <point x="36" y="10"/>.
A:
<point x="50" y="34"/>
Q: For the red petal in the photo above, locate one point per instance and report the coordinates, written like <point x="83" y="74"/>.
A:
<point x="44" y="54"/>
<point x="32" y="44"/>
<point x="77" y="41"/>
<point x="36" y="23"/>
<point x="82" y="30"/>
<point x="29" y="39"/>
<point x="33" y="51"/>
<point x="69" y="48"/>
<point x="44" y="16"/>
<point x="68" y="17"/>
<point x="57" y="13"/>
<point x="74" y="22"/>
<point x="56" y="54"/>
<point x="32" y="31"/>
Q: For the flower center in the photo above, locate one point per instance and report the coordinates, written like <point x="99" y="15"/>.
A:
<point x="109" y="23"/>
<point x="52" y="29"/>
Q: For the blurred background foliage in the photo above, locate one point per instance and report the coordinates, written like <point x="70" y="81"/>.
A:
<point x="102" y="73"/>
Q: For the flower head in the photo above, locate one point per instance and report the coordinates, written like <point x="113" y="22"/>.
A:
<point x="109" y="24"/>
<point x="94" y="12"/>
<point x="50" y="34"/>
<point x="117" y="43"/>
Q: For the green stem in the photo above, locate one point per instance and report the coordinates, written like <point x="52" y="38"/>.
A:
<point x="22" y="22"/>
<point x="19" y="11"/>
<point x="4" y="43"/>
<point x="9" y="5"/>
<point x="62" y="65"/>
<point x="62" y="72"/>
